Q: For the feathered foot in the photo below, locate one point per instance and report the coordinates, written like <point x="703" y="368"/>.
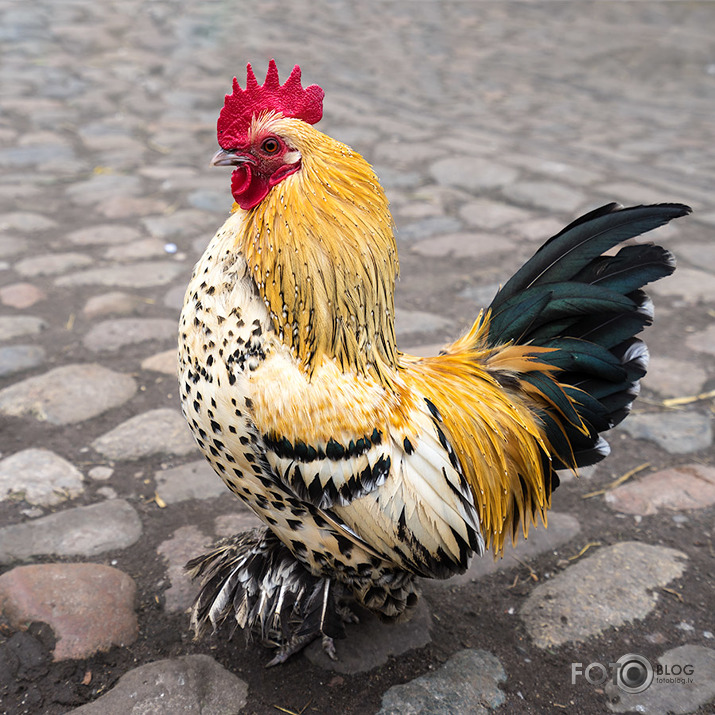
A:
<point x="254" y="577"/>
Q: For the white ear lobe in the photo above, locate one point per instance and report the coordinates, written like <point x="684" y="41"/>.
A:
<point x="292" y="157"/>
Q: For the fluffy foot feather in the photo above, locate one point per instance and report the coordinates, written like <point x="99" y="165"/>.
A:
<point x="254" y="577"/>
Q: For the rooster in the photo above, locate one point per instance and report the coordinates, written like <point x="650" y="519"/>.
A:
<point x="371" y="468"/>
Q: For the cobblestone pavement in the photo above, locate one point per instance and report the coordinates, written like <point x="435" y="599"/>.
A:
<point x="492" y="124"/>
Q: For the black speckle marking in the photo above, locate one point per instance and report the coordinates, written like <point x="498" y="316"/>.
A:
<point x="299" y="547"/>
<point x="344" y="544"/>
<point x="334" y="450"/>
<point x="431" y="407"/>
<point x="302" y="452"/>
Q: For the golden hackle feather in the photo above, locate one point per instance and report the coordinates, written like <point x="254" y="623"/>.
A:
<point x="323" y="255"/>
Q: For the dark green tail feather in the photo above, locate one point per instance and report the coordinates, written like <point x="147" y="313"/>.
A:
<point x="589" y="307"/>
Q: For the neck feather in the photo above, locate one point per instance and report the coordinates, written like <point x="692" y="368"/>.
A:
<point x="322" y="253"/>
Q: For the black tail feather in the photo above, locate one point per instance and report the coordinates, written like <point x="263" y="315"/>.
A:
<point x="587" y="307"/>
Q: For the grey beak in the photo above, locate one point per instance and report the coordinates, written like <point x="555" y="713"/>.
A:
<point x="224" y="157"/>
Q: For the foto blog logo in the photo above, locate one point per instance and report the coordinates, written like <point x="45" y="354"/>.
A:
<point x="632" y="673"/>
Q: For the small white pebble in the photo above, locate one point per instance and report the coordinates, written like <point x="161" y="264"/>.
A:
<point x="708" y="634"/>
<point x="683" y="626"/>
<point x="100" y="473"/>
<point x="170" y="248"/>
<point x="638" y="518"/>
<point x="113" y="562"/>
<point x="511" y="611"/>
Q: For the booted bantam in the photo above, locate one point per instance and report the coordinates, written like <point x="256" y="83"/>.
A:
<point x="371" y="468"/>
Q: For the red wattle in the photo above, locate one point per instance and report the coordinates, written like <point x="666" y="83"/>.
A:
<point x="248" y="189"/>
<point x="240" y="179"/>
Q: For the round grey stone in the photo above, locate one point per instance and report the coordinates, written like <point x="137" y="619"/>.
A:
<point x="467" y="683"/>
<point x="185" y="543"/>
<point x="18" y="358"/>
<point x="134" y="275"/>
<point x="114" y="303"/>
<point x="39" y="477"/>
<point x="701" y="255"/>
<point x="165" y="362"/>
<point x="68" y="394"/>
<point x="546" y="195"/>
<point x="110" y="335"/>
<point x="181" y="223"/>
<point x="675" y="432"/>
<point x="25" y="221"/>
<point x="15" y="326"/>
<point x="692" y="284"/>
<point x="195" y="480"/>
<point x="175" y="297"/>
<point x="215" y="201"/>
<point x="417" y="321"/>
<point x="488" y="214"/>
<point x="430" y="226"/>
<point x="610" y="588"/>
<point x="463" y="245"/>
<point x="12" y="245"/>
<point x="49" y="264"/>
<point x="103" y="186"/>
<point x="82" y="531"/>
<point x="104" y="234"/>
<point x="480" y="295"/>
<point x="160" y="431"/>
<point x="671" y="378"/>
<point x="665" y="696"/>
<point x="190" y="684"/>
<point x="702" y="342"/>
<point x="136" y="250"/>
<point x="472" y="173"/>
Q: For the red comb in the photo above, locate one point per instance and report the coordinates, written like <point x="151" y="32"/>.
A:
<point x="290" y="99"/>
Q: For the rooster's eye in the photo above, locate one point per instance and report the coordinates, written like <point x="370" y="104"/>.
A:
<point x="270" y="146"/>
